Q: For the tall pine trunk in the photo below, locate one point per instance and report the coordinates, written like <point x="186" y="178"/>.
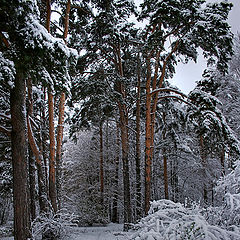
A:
<point x="52" y="163"/>
<point x="138" y="149"/>
<point x="165" y="167"/>
<point x="42" y="191"/>
<point x="52" y="160"/>
<point x="19" y="159"/>
<point x="165" y="174"/>
<point x="126" y="180"/>
<point x="151" y="108"/>
<point x="115" y="194"/>
<point x="204" y="166"/>
<point x="222" y="159"/>
<point x="148" y="140"/>
<point x="101" y="162"/>
<point x="59" y="148"/>
<point x="32" y="177"/>
<point x="125" y="143"/>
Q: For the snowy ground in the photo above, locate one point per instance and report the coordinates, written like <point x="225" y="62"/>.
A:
<point x="108" y="232"/>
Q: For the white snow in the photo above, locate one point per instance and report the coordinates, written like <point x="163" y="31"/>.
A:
<point x="109" y="232"/>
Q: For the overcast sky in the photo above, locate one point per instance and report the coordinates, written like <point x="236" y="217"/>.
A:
<point x="187" y="75"/>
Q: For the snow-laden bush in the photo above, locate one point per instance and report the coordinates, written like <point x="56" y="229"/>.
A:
<point x="227" y="215"/>
<point x="172" y="221"/>
<point x="52" y="226"/>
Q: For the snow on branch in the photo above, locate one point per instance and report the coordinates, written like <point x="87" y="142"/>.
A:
<point x="169" y="220"/>
<point x="168" y="90"/>
<point x="5" y="130"/>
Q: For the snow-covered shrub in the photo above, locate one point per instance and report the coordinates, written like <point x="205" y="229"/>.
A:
<point x="80" y="184"/>
<point x="227" y="215"/>
<point x="172" y="221"/>
<point x="6" y="230"/>
<point x="52" y="226"/>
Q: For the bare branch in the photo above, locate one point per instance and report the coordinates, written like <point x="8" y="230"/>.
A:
<point x="165" y="63"/>
<point x="168" y="90"/>
<point x="4" y="39"/>
<point x="8" y="117"/>
<point x="5" y="130"/>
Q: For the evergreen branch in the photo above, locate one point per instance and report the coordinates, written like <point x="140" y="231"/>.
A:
<point x="174" y="31"/>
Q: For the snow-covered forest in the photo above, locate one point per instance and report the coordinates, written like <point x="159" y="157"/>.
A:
<point x="94" y="135"/>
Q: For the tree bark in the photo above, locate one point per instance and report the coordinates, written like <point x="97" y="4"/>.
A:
<point x="101" y="161"/>
<point x="66" y="21"/>
<point x="52" y="163"/>
<point x="138" y="149"/>
<point x="43" y="201"/>
<point x="151" y="107"/>
<point x="148" y="156"/>
<point x="19" y="159"/>
<point x="59" y="148"/>
<point x="222" y="159"/>
<point x="48" y="10"/>
<point x="125" y="144"/>
<point x="44" y="138"/>
<point x="204" y="166"/>
<point x="165" y="174"/>
<point x="32" y="177"/>
<point x="115" y="195"/>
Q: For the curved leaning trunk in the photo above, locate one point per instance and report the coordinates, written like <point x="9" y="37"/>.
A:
<point x="43" y="200"/>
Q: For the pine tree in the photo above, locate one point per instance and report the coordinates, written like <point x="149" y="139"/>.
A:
<point x="34" y="52"/>
<point x="187" y="25"/>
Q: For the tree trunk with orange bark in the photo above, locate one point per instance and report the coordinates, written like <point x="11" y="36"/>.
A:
<point x="123" y="125"/>
<point x="42" y="190"/>
<point x="52" y="160"/>
<point x="148" y="139"/>
<point x="151" y="107"/>
<point x="61" y="118"/>
<point x="52" y="163"/>
<point x="59" y="147"/>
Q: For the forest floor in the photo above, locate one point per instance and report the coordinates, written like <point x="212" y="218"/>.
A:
<point x="109" y="232"/>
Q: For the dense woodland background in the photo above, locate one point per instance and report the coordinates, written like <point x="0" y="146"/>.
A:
<point x="90" y="123"/>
